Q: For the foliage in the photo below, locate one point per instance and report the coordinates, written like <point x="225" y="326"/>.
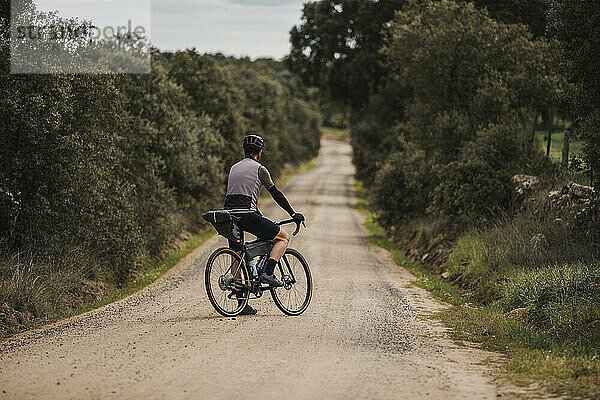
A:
<point x="576" y="25"/>
<point x="99" y="174"/>
<point x="531" y="13"/>
<point x="401" y="185"/>
<point x="563" y="301"/>
<point x="478" y="185"/>
<point x="454" y="75"/>
<point x="211" y="90"/>
<point x="463" y="70"/>
<point x="336" y="47"/>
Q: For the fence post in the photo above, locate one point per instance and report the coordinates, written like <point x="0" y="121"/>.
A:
<point x="516" y="128"/>
<point x="532" y="140"/>
<point x="565" y="149"/>
<point x="551" y="122"/>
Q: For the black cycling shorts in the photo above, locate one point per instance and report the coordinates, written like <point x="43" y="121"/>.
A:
<point x="256" y="224"/>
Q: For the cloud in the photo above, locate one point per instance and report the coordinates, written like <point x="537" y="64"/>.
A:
<point x="238" y="27"/>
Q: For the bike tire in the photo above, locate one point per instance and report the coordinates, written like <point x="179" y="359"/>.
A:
<point x="219" y="298"/>
<point x="295" y="300"/>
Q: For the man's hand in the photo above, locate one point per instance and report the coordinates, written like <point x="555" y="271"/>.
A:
<point x="298" y="218"/>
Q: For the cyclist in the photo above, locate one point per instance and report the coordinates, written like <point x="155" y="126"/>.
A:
<point x="243" y="190"/>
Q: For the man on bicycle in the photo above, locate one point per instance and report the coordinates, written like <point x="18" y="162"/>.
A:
<point x="243" y="190"/>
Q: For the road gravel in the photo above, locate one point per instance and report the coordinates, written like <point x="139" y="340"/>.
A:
<point x="368" y="333"/>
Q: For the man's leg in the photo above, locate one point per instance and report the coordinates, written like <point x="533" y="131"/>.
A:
<point x="281" y="242"/>
<point x="265" y="229"/>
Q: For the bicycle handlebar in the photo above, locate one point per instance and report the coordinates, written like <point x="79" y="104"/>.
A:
<point x="289" y="221"/>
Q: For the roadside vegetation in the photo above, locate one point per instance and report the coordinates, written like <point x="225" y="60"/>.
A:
<point x="101" y="176"/>
<point x="443" y="96"/>
<point x="564" y="362"/>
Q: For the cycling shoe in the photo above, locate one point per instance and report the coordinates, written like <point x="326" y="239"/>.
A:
<point x="270" y="279"/>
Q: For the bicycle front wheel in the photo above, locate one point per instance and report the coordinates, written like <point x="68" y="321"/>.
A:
<point x="227" y="282"/>
<point x="293" y="298"/>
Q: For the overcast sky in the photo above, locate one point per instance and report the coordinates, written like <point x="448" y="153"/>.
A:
<point x="255" y="28"/>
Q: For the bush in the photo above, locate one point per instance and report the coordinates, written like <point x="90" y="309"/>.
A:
<point x="402" y="185"/>
<point x="478" y="186"/>
<point x="99" y="174"/>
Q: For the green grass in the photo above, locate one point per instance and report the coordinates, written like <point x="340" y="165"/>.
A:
<point x="173" y="257"/>
<point x="535" y="357"/>
<point x="557" y="145"/>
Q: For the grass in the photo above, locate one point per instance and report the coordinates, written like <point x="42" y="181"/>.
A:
<point x="557" y="145"/>
<point x="336" y="133"/>
<point x="425" y="279"/>
<point x="25" y="278"/>
<point x="103" y="294"/>
<point x="537" y="359"/>
<point x="149" y="277"/>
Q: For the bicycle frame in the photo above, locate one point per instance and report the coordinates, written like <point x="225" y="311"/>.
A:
<point x="255" y="286"/>
<point x="254" y="282"/>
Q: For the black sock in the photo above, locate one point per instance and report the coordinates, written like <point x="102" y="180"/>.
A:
<point x="270" y="266"/>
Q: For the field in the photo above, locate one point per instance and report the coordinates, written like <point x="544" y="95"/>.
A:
<point x="557" y="145"/>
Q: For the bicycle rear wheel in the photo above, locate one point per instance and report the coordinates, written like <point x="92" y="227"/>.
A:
<point x="294" y="297"/>
<point x="224" y="276"/>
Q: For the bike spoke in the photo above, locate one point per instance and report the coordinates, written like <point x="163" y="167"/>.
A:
<point x="222" y="265"/>
<point x="295" y="297"/>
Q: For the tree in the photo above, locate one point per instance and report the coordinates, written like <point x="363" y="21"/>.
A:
<point x="336" y="48"/>
<point x="212" y="93"/>
<point x="576" y="24"/>
<point x="463" y="70"/>
<point x="531" y="13"/>
<point x="188" y="145"/>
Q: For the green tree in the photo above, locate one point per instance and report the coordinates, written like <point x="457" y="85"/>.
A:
<point x="212" y="92"/>
<point x="463" y="70"/>
<point x="336" y="47"/>
<point x="188" y="145"/>
<point x="576" y="24"/>
<point x="528" y="12"/>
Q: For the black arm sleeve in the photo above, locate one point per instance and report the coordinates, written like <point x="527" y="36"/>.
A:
<point x="281" y="200"/>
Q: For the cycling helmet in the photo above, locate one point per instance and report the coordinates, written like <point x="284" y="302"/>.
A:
<point x="253" y="143"/>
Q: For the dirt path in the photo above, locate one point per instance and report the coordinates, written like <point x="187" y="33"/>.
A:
<point x="365" y="335"/>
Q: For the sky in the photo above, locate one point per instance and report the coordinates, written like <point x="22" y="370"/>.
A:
<point x="253" y="28"/>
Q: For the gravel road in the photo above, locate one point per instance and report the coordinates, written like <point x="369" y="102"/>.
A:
<point x="366" y="334"/>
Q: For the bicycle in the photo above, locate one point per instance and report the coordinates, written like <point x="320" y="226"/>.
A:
<point x="231" y="277"/>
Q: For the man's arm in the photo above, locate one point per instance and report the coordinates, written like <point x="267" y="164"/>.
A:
<point x="267" y="181"/>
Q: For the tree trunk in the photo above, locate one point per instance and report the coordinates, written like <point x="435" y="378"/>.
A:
<point x="565" y="150"/>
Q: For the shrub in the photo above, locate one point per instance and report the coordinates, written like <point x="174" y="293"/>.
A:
<point x="478" y="185"/>
<point x="402" y="185"/>
<point x="99" y="174"/>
